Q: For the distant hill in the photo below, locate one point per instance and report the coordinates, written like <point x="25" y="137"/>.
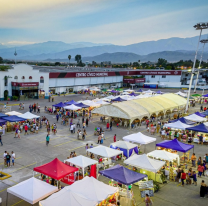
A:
<point x="125" y="57"/>
<point x="61" y="50"/>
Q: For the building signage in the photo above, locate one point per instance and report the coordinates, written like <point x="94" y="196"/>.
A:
<point x="139" y="80"/>
<point x="165" y="72"/>
<point x="25" y="84"/>
<point x="133" y="81"/>
<point x="92" y="74"/>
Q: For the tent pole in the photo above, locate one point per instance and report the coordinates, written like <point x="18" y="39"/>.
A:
<point x="7" y="199"/>
<point x="184" y="156"/>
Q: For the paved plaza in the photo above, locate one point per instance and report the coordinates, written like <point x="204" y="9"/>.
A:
<point x="31" y="151"/>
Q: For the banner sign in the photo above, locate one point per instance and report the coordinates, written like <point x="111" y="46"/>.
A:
<point x="25" y="84"/>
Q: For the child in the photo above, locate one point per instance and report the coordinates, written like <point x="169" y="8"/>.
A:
<point x="194" y="178"/>
<point x="117" y="124"/>
<point x="188" y="179"/>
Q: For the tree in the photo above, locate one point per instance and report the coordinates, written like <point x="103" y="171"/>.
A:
<point x="135" y="64"/>
<point x="78" y="58"/>
<point x="1" y="60"/>
<point x="57" y="63"/>
<point x="161" y="62"/>
<point x="69" y="57"/>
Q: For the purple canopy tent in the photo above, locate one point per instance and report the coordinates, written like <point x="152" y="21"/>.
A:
<point x="71" y="102"/>
<point x="61" y="104"/>
<point x="199" y="128"/>
<point x="118" y="99"/>
<point x="206" y="95"/>
<point x="122" y="175"/>
<point x="82" y="105"/>
<point x="200" y="114"/>
<point x="133" y="94"/>
<point x="114" y="91"/>
<point x="140" y="90"/>
<point x="175" y="145"/>
<point x="14" y="119"/>
<point x="2" y="122"/>
<point x="183" y="120"/>
<point x="3" y="115"/>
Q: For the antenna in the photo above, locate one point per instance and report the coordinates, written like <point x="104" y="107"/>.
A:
<point x="15" y="54"/>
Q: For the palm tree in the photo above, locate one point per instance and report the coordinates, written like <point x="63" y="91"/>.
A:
<point x="69" y="57"/>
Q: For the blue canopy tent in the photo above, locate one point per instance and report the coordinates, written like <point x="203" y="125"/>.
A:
<point x="140" y="90"/>
<point x="199" y="128"/>
<point x="13" y="119"/>
<point x="122" y="175"/>
<point x="118" y="99"/>
<point x="183" y="120"/>
<point x="205" y="113"/>
<point x="175" y="145"/>
<point x="82" y="105"/>
<point x="206" y="95"/>
<point x="61" y="104"/>
<point x="71" y="102"/>
<point x="159" y="92"/>
<point x="2" y="122"/>
<point x="126" y="147"/>
<point x="3" y="115"/>
<point x="200" y="114"/>
<point x="133" y="94"/>
<point x="114" y="91"/>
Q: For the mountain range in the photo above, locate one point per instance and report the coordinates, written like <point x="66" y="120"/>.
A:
<point x="173" y="49"/>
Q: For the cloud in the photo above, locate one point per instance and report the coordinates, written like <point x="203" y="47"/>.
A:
<point x="18" y="43"/>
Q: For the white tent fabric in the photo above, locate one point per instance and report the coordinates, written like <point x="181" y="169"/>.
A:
<point x="144" y="162"/>
<point x="164" y="155"/>
<point x="102" y="102"/>
<point x="195" y="118"/>
<point x="104" y="151"/>
<point x="125" y="93"/>
<point x="111" y="97"/>
<point x="123" y="144"/>
<point x="181" y="94"/>
<point x="72" y="107"/>
<point x="32" y="190"/>
<point x="81" y="161"/>
<point x="92" y="189"/>
<point x="67" y="198"/>
<point x="139" y="138"/>
<point x="148" y="91"/>
<point x="177" y="125"/>
<point x="28" y="115"/>
<point x="91" y="103"/>
<point x="128" y="90"/>
<point x="13" y="113"/>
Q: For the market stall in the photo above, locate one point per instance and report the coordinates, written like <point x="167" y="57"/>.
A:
<point x="147" y="166"/>
<point x="60" y="104"/>
<point x="107" y="153"/>
<point x="72" y="107"/>
<point x="81" y="162"/>
<point x="140" y="139"/>
<point x="12" y="113"/>
<point x="176" y="145"/>
<point x="28" y="115"/>
<point x="183" y="120"/>
<point x="195" y="118"/>
<point x="3" y="115"/>
<point x="123" y="176"/>
<point x="177" y="125"/>
<point x="57" y="170"/>
<point x="71" y="102"/>
<point x="127" y="147"/>
<point x="118" y="99"/>
<point x="82" y="105"/>
<point x="31" y="190"/>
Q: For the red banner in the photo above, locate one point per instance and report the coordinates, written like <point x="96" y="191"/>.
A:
<point x="93" y="171"/>
<point x="25" y="84"/>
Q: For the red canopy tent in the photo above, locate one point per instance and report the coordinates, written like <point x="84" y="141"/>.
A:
<point x="55" y="169"/>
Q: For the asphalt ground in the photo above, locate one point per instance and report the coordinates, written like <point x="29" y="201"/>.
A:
<point x="31" y="151"/>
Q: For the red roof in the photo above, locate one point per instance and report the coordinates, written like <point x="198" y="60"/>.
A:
<point x="55" y="169"/>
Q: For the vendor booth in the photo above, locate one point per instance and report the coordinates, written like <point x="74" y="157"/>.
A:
<point x="82" y="162"/>
<point x="31" y="190"/>
<point x="127" y="147"/>
<point x="14" y="119"/>
<point x="195" y="118"/>
<point x="82" y="105"/>
<point x="28" y="115"/>
<point x="87" y="192"/>
<point x="57" y="170"/>
<point x="72" y="107"/>
<point x="177" y="125"/>
<point x="183" y="120"/>
<point x="147" y="166"/>
<point x="71" y="102"/>
<point x="200" y="114"/>
<point x="3" y="115"/>
<point x="61" y="104"/>
<point x="107" y="153"/>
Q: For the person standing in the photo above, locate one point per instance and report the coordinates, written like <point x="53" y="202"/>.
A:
<point x="1" y="140"/>
<point x="4" y="129"/>
<point x="5" y="154"/>
<point x="203" y="189"/>
<point x="84" y="134"/>
<point x="111" y="124"/>
<point x="72" y="128"/>
<point x="13" y="158"/>
<point x="200" y="170"/>
<point x="54" y="128"/>
<point x="183" y="177"/>
<point x="78" y="123"/>
<point x="18" y="134"/>
<point x="47" y="139"/>
<point x="107" y="125"/>
<point x="82" y="119"/>
<point x="57" y="117"/>
<point x="114" y="138"/>
<point x="193" y="160"/>
<point x="147" y="200"/>
<point x="86" y="148"/>
<point x="8" y="157"/>
<point x="26" y="128"/>
<point x="36" y="128"/>
<point x="99" y="139"/>
<point x="87" y="122"/>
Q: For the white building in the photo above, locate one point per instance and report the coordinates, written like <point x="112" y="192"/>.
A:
<point x="24" y="82"/>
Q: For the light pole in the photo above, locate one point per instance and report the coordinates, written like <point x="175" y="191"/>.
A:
<point x="15" y="54"/>
<point x="199" y="26"/>
<point x="203" y="41"/>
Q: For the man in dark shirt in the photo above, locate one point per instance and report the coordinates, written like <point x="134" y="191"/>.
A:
<point x="1" y="141"/>
<point x="8" y="157"/>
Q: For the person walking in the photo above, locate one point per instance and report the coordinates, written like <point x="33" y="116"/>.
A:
<point x="87" y="122"/>
<point x="72" y="128"/>
<point x="114" y="138"/>
<point x="36" y="128"/>
<point x="200" y="170"/>
<point x="5" y="154"/>
<point x="99" y="139"/>
<point x="18" y="134"/>
<point x="147" y="200"/>
<point x="107" y="125"/>
<point x="183" y="177"/>
<point x="54" y="129"/>
<point x="1" y="140"/>
<point x="111" y="124"/>
<point x="84" y="134"/>
<point x="193" y="160"/>
<point x="13" y="158"/>
<point x="57" y="117"/>
<point x="86" y="148"/>
<point x="47" y="139"/>
<point x="203" y="189"/>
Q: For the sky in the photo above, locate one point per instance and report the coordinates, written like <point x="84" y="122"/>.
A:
<point x="119" y="22"/>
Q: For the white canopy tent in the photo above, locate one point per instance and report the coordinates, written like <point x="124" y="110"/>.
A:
<point x="139" y="138"/>
<point x="67" y="198"/>
<point x="102" y="102"/>
<point x="128" y="90"/>
<point x="81" y="161"/>
<point x="124" y="145"/>
<point x="28" y="115"/>
<point x="124" y="93"/>
<point x="195" y="118"/>
<point x="177" y="125"/>
<point x="104" y="151"/>
<point x="91" y="103"/>
<point x="111" y="97"/>
<point x="144" y="162"/>
<point x="72" y="107"/>
<point x="148" y="91"/>
<point x="181" y="94"/>
<point x="32" y="190"/>
<point x="13" y="113"/>
<point x="164" y="155"/>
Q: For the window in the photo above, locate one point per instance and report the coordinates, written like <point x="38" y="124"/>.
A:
<point x="23" y="77"/>
<point x="41" y="79"/>
<point x="186" y="75"/>
<point x="163" y="76"/>
<point x="16" y="77"/>
<point x="6" y="81"/>
<point x="30" y="77"/>
<point x="153" y="76"/>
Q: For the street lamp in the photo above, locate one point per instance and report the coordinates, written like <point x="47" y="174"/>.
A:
<point x="198" y="26"/>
